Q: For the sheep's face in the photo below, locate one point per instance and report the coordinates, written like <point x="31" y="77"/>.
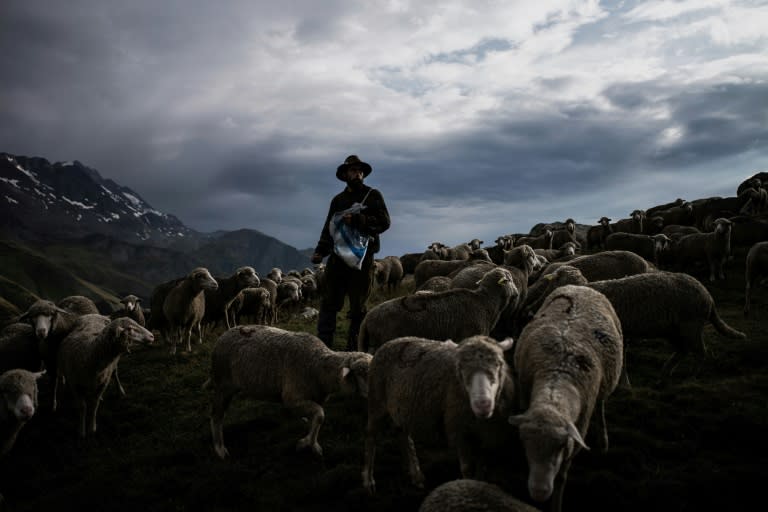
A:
<point x="569" y="249"/>
<point x="354" y="376"/>
<point x="129" y="333"/>
<point x="41" y="316"/>
<point x="548" y="440"/>
<point x="247" y="278"/>
<point x="130" y="302"/>
<point x="18" y="389"/>
<point x="276" y="275"/>
<point x="481" y="369"/>
<point x="203" y="280"/>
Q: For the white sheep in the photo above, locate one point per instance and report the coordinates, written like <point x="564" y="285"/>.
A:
<point x="427" y="388"/>
<point x="88" y="357"/>
<point x="267" y="363"/>
<point x="567" y="362"/>
<point x="18" y="401"/>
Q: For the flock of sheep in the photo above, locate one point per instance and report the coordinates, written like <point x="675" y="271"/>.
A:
<point x="526" y="339"/>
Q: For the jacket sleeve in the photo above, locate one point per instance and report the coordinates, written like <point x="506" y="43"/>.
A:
<point x="325" y="244"/>
<point x="374" y="220"/>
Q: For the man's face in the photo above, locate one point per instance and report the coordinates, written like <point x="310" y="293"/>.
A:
<point x="354" y="173"/>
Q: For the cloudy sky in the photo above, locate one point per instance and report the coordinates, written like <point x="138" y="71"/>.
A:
<point x="480" y="118"/>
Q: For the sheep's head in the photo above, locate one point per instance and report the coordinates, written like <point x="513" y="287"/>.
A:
<point x="18" y="392"/>
<point x="570" y="225"/>
<point x="723" y="225"/>
<point x="42" y="316"/>
<point x="130" y="302"/>
<point x="568" y="249"/>
<point x="661" y="242"/>
<point x="247" y="278"/>
<point x="549" y="439"/>
<point x="604" y="221"/>
<point x="276" y="275"/>
<point x="354" y="374"/>
<point x="203" y="280"/>
<point x="129" y="333"/>
<point x="475" y="243"/>
<point x="482" y="372"/>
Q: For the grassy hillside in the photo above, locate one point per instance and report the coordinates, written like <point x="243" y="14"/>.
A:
<point x="696" y="443"/>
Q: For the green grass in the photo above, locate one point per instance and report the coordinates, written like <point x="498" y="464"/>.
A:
<point x="696" y="443"/>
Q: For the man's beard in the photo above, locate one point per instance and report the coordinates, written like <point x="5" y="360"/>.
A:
<point x="355" y="184"/>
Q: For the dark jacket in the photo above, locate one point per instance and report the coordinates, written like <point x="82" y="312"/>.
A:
<point x="373" y="220"/>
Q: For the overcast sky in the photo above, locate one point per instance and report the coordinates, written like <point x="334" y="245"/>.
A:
<point x="480" y="118"/>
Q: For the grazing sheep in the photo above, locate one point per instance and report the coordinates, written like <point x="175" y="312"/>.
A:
<point x="132" y="309"/>
<point x="388" y="272"/>
<point x="606" y="265"/>
<point x="567" y="363"/>
<point x="713" y="247"/>
<point x="452" y="314"/>
<point x="649" y="247"/>
<point x="597" y="234"/>
<point x="430" y="268"/>
<point x="756" y="268"/>
<point x="18" y="401"/>
<point x="435" y="284"/>
<point x="255" y="304"/>
<point x="472" y="496"/>
<point x="427" y="387"/>
<point x="184" y="307"/>
<point x="78" y="305"/>
<point x="88" y="356"/>
<point x="19" y="348"/>
<point x="667" y="305"/>
<point x="217" y="299"/>
<point x="266" y="363"/>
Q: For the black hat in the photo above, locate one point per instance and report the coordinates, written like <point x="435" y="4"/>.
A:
<point x="352" y="160"/>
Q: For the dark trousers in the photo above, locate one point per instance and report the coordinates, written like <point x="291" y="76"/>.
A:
<point x="343" y="281"/>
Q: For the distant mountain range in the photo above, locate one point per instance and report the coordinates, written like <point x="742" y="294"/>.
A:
<point x="108" y="235"/>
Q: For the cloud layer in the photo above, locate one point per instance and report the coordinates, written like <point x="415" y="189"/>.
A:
<point x="479" y="118"/>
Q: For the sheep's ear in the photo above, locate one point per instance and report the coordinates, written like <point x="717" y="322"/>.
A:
<point x="574" y="434"/>
<point x="344" y="372"/>
<point x="39" y="374"/>
<point x="23" y="316"/>
<point x="450" y="343"/>
<point x="507" y="344"/>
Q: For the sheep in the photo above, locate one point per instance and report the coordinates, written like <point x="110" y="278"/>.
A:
<point x="564" y="250"/>
<point x="388" y="272"/>
<point x="452" y="314"/>
<point x="475" y="244"/>
<point x="131" y="309"/>
<point x="543" y="241"/>
<point x="714" y="208"/>
<point x="254" y="303"/>
<point x="747" y="231"/>
<point x="184" y="307"/>
<point x="435" y="284"/>
<point x="649" y="247"/>
<point x="756" y="268"/>
<point x="467" y="495"/>
<point x="596" y="235"/>
<point x="430" y="268"/>
<point x="565" y="235"/>
<point x="667" y="305"/>
<point x="606" y="265"/>
<point x="567" y="363"/>
<point x="19" y="348"/>
<point x="87" y="358"/>
<point x="18" y="401"/>
<point x="267" y="363"/>
<point x="78" y="305"/>
<point x="676" y="231"/>
<point x="503" y="243"/>
<point x="271" y="287"/>
<point x="409" y="261"/>
<point x="428" y="387"/>
<point x="218" y="299"/>
<point x="288" y="295"/>
<point x="651" y="212"/>
<point x="713" y="247"/>
<point x="308" y="287"/>
<point x="276" y="275"/>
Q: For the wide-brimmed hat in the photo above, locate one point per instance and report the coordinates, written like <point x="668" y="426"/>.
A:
<point x="352" y="160"/>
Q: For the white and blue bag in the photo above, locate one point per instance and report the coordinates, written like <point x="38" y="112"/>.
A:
<point x="349" y="243"/>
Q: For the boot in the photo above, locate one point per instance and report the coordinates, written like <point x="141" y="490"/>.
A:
<point x="326" y="326"/>
<point x="355" y="319"/>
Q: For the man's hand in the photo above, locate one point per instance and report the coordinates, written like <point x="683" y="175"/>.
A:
<point x="317" y="258"/>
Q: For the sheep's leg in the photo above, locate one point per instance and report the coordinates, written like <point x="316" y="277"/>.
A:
<point x="409" y="452"/>
<point x="82" y="409"/>
<point x="748" y="297"/>
<point x="199" y="327"/>
<point x="189" y="338"/>
<point x="712" y="266"/>
<point x="602" y="428"/>
<point x="316" y="417"/>
<point x="93" y="407"/>
<point x="221" y="401"/>
<point x="624" y="377"/>
<point x="375" y="424"/>
<point x="56" y="379"/>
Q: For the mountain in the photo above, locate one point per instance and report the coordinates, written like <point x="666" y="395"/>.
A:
<point x="69" y="217"/>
